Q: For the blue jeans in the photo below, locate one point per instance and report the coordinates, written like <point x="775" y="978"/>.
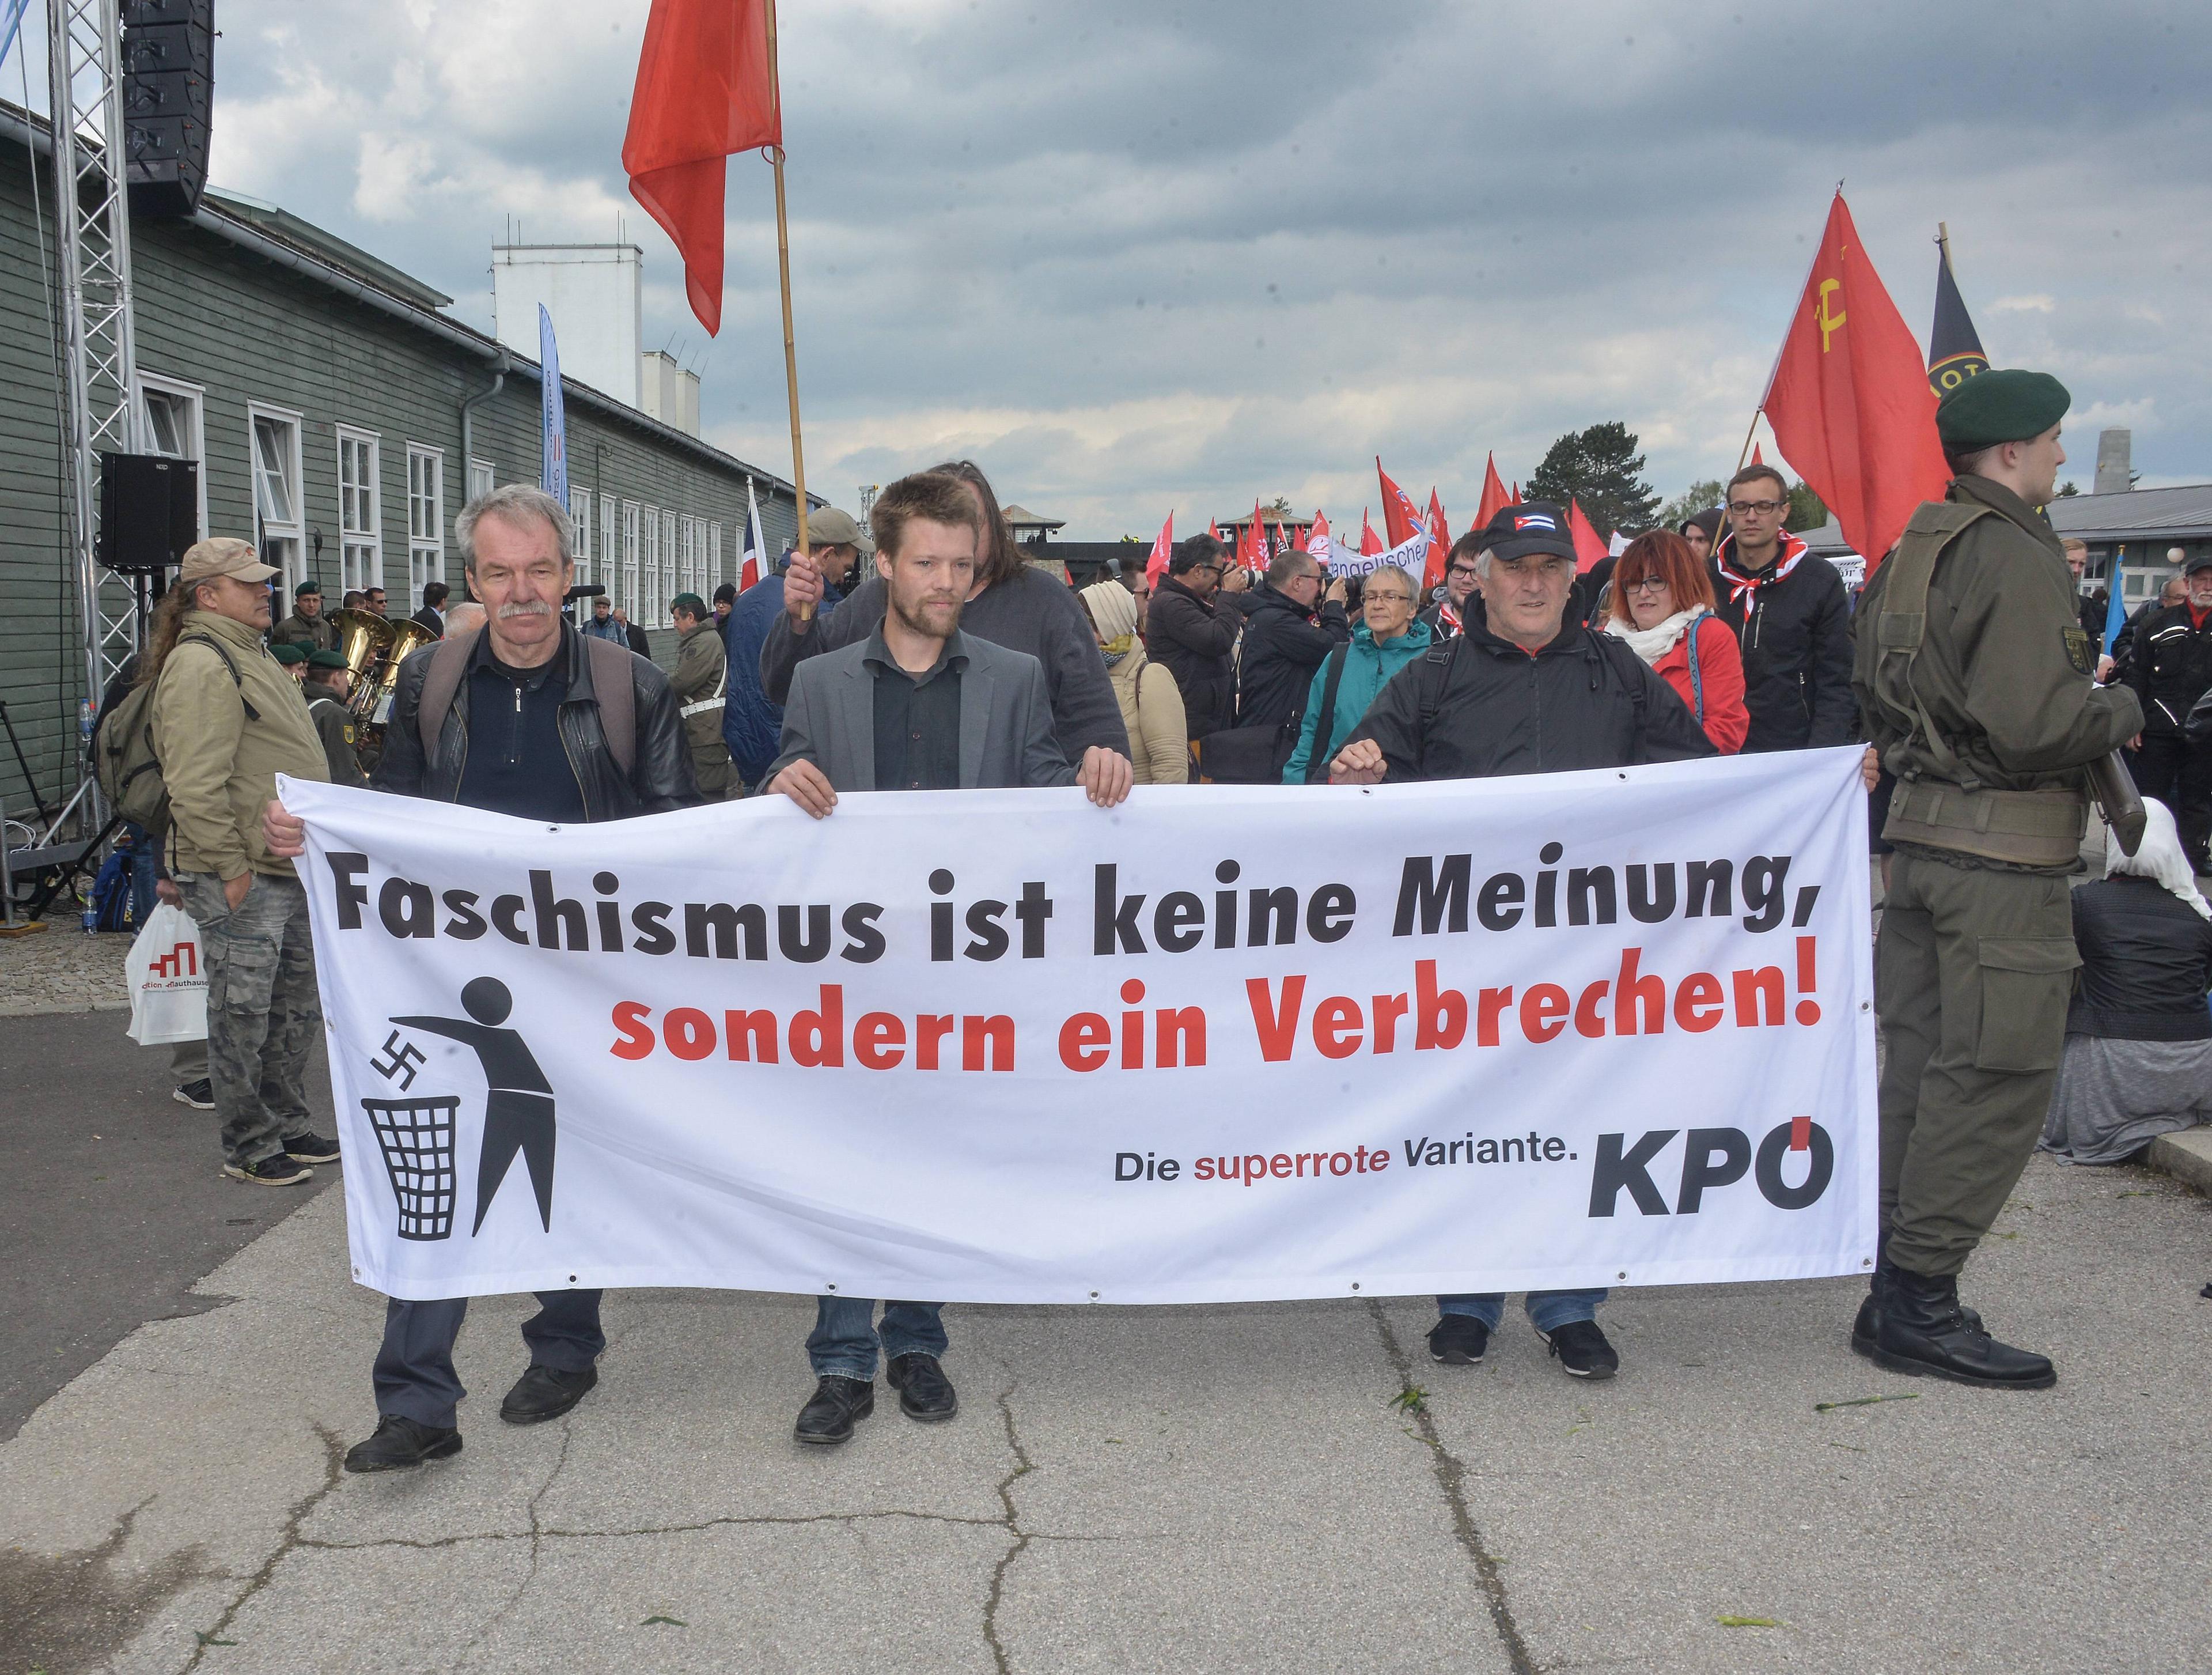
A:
<point x="1547" y="1309"/>
<point x="844" y="1340"/>
<point x="142" y="874"/>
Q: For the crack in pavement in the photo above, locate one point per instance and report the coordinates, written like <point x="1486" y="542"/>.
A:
<point x="1011" y="1523"/>
<point x="333" y="1471"/>
<point x="1451" y="1475"/>
<point x="729" y="1521"/>
<point x="537" y="1537"/>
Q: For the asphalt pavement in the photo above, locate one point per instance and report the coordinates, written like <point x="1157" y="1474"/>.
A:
<point x="1286" y="1487"/>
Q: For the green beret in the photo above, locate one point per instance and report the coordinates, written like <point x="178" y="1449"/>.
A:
<point x="327" y="659"/>
<point x="691" y="602"/>
<point x="2005" y="406"/>
<point x="287" y="655"/>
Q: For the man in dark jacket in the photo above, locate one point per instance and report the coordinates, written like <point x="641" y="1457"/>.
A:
<point x="306" y="625"/>
<point x="750" y="723"/>
<point x="432" y="615"/>
<point x="1470" y="708"/>
<point x="1189" y="636"/>
<point x="2170" y="669"/>
<point x="1285" y="639"/>
<point x="523" y="734"/>
<point x="1462" y="599"/>
<point x="1792" y="618"/>
<point x="2124" y="642"/>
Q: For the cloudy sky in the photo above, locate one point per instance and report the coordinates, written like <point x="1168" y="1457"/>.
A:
<point x="1179" y="253"/>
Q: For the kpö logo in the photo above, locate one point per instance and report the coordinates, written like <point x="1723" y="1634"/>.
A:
<point x="1712" y="1158"/>
<point x="417" y="1134"/>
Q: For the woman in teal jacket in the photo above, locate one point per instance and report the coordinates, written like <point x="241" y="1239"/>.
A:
<point x="1386" y="639"/>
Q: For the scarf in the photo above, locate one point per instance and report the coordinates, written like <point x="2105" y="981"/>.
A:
<point x="2159" y="858"/>
<point x="1115" y="650"/>
<point x="1654" y="642"/>
<point x="1738" y="585"/>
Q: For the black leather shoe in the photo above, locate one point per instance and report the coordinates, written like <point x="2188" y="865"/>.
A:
<point x="924" y="1390"/>
<point x="838" y="1401"/>
<point x="399" y="1443"/>
<point x="1867" y="1326"/>
<point x="1924" y="1332"/>
<point x="1458" y="1340"/>
<point x="545" y="1392"/>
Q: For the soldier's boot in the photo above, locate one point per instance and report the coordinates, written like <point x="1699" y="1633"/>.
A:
<point x="1867" y="1325"/>
<point x="1924" y="1331"/>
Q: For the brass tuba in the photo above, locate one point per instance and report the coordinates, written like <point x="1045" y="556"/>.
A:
<point x="374" y="647"/>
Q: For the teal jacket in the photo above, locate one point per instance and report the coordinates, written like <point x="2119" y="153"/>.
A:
<point x="1367" y="670"/>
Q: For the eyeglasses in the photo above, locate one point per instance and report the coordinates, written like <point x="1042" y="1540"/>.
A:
<point x="1374" y="598"/>
<point x="1646" y="584"/>
<point x="1462" y="569"/>
<point x="1764" y="507"/>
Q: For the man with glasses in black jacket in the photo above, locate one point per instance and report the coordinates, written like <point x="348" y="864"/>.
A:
<point x="1792" y="618"/>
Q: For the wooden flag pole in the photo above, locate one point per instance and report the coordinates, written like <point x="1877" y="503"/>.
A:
<point x="790" y="343"/>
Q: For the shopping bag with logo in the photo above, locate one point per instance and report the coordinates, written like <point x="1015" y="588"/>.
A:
<point x="168" y="980"/>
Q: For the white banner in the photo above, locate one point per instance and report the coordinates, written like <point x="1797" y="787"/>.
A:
<point x="1597" y="1028"/>
<point x="1410" y="555"/>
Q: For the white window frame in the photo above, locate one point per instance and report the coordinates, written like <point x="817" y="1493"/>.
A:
<point x="287" y="539"/>
<point x="426" y="535"/>
<point x="668" y="589"/>
<point x="631" y="555"/>
<point x="715" y="555"/>
<point x="610" y="538"/>
<point x="687" y="540"/>
<point x="193" y="399"/>
<point x="482" y="480"/>
<point x="651" y="601"/>
<point x="579" y="520"/>
<point x="361" y="543"/>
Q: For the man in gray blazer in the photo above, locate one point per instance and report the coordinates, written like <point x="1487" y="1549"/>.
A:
<point x="917" y="706"/>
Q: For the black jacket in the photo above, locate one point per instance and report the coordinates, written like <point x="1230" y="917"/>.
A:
<point x="660" y="778"/>
<point x="2170" y="667"/>
<point x="1796" y="633"/>
<point x="2146" y="964"/>
<point x="1191" y="640"/>
<point x="1281" y="651"/>
<point x="1478" y="705"/>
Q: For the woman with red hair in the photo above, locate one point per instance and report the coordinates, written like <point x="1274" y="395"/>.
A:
<point x="1662" y="606"/>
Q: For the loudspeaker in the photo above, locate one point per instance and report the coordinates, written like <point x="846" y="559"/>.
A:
<point x="168" y="96"/>
<point x="149" y="511"/>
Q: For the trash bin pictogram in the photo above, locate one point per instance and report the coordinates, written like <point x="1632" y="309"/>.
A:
<point x="416" y="1139"/>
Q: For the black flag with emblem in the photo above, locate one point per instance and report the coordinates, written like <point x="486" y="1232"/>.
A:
<point x="1954" y="348"/>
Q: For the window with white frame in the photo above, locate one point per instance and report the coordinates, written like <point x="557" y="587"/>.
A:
<point x="426" y="518"/>
<point x="631" y="557"/>
<point x="580" y="515"/>
<point x="651" y="599"/>
<point x="480" y="478"/>
<point x="687" y="540"/>
<point x="715" y="553"/>
<point x="274" y="438"/>
<point x="176" y="427"/>
<point x="609" y="534"/>
<point x="668" y="589"/>
<point x="361" y="549"/>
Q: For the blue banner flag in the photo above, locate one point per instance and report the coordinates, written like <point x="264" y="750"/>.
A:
<point x="2117" y="611"/>
<point x="553" y="478"/>
<point x="11" y="17"/>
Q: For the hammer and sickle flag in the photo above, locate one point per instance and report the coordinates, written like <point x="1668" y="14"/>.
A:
<point x="1849" y="400"/>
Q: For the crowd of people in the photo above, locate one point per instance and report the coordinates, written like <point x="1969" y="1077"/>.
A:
<point x="1964" y="667"/>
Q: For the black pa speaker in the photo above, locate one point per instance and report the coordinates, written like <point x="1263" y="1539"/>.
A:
<point x="169" y="96"/>
<point x="149" y="511"/>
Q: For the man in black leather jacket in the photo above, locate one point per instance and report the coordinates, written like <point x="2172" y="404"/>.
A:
<point x="521" y="725"/>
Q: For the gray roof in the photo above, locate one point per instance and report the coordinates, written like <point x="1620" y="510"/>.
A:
<point x="2146" y="515"/>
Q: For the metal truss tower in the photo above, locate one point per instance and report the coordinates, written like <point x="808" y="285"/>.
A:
<point x="98" y="361"/>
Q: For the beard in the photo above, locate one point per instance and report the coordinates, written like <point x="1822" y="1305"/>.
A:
<point x="932" y="616"/>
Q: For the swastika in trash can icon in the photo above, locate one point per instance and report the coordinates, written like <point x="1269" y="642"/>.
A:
<point x="416" y="1139"/>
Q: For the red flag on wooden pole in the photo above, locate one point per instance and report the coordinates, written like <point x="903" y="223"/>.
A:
<point x="1850" y="401"/>
<point x="1369" y="542"/>
<point x="1493" y="494"/>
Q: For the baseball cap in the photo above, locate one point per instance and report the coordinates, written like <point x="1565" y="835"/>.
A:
<point x="2201" y="561"/>
<point x="827" y="527"/>
<point x="223" y="555"/>
<point x="1534" y="526"/>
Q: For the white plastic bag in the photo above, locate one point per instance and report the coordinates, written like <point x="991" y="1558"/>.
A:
<point x="168" y="980"/>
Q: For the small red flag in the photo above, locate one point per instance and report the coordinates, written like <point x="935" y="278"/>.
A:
<point x="1588" y="549"/>
<point x="1252" y="544"/>
<point x="1850" y="401"/>
<point x="1757" y="458"/>
<point x="1369" y="542"/>
<point x="1439" y="543"/>
<point x="1157" y="565"/>
<point x="1516" y="501"/>
<point x="1400" y="517"/>
<point x="704" y="90"/>
<point x="1493" y="494"/>
<point x="1315" y="530"/>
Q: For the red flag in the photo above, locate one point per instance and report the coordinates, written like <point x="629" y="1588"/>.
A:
<point x="1516" y="501"/>
<point x="1316" y="531"/>
<point x="1588" y="549"/>
<point x="1757" y="458"/>
<point x="1157" y="565"/>
<point x="1213" y="529"/>
<point x="1400" y="517"/>
<point x="1439" y="543"/>
<point x="1369" y="542"/>
<point x="704" y="89"/>
<point x="1849" y="400"/>
<point x="1252" y="544"/>
<point x="1493" y="494"/>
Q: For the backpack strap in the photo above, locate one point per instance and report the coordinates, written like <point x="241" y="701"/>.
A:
<point x="1325" y="723"/>
<point x="612" y="685"/>
<point x="448" y="663"/>
<point x="1697" y="668"/>
<point x="1901" y="623"/>
<point x="228" y="662"/>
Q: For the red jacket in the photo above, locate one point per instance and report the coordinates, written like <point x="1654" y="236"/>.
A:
<point x="1720" y="671"/>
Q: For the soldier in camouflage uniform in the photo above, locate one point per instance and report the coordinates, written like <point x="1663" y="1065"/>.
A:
<point x="1973" y="674"/>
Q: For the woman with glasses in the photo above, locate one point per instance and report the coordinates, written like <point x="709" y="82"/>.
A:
<point x="1388" y="639"/>
<point x="1662" y="607"/>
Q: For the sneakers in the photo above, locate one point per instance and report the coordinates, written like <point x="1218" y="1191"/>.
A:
<point x="399" y="1443"/>
<point x="1582" y="1350"/>
<point x="311" y="1148"/>
<point x="545" y="1392"/>
<point x="1458" y="1340"/>
<point x="278" y="1171"/>
<point x="200" y="1095"/>
<point x="924" y="1390"/>
<point x="838" y="1401"/>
